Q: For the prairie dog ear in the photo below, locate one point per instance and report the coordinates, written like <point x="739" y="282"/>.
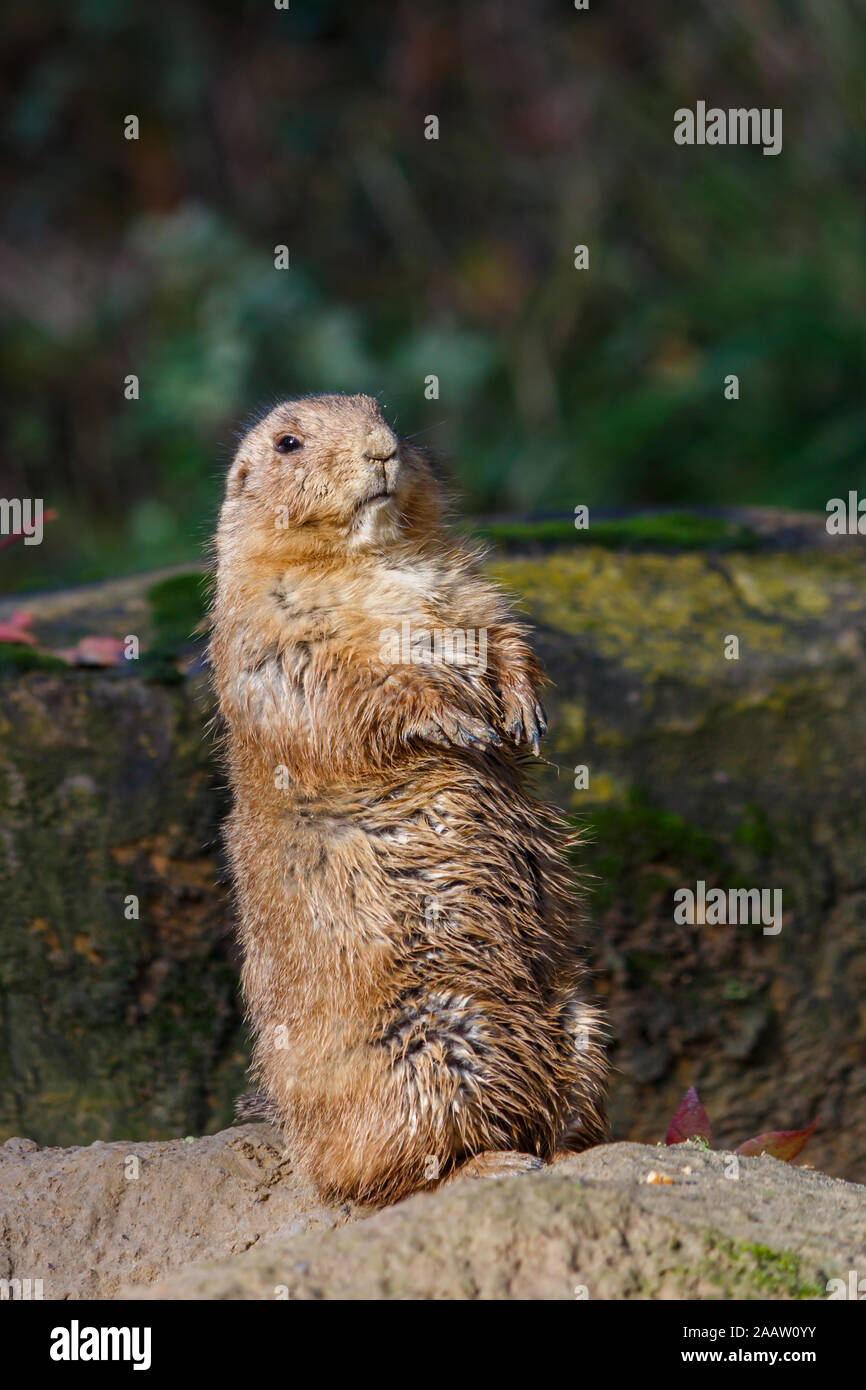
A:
<point x="237" y="479"/>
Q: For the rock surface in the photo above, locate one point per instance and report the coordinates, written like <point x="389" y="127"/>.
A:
<point x="111" y="798"/>
<point x="741" y="773"/>
<point x="85" y="1220"/>
<point x="226" y="1217"/>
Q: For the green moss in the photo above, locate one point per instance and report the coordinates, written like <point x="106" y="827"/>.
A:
<point x="665" y="618"/>
<point x="15" y="659"/>
<point x="755" y="831"/>
<point x="629" y="848"/>
<point x="738" y="1270"/>
<point x="756" y="1269"/>
<point x="735" y="991"/>
<point x="667" y="531"/>
<point x="178" y="608"/>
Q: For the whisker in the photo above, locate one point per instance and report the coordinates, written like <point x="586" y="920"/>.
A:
<point x="425" y="430"/>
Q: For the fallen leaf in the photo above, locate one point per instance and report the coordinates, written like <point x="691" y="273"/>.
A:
<point x="659" y="1177"/>
<point x="780" y="1143"/>
<point x="16" y="629"/>
<point x="690" y="1121"/>
<point x="93" y="651"/>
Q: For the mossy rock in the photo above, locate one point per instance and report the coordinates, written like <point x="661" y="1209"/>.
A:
<point x="118" y="985"/>
<point x="741" y="772"/>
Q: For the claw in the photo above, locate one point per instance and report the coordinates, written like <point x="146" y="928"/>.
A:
<point x="487" y="736"/>
<point x="516" y="731"/>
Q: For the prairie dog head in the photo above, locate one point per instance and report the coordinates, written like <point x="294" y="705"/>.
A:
<point x="325" y="475"/>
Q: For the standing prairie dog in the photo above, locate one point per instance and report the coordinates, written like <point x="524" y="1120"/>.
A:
<point x="411" y="960"/>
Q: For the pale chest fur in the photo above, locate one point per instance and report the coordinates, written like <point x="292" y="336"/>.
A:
<point x="359" y="612"/>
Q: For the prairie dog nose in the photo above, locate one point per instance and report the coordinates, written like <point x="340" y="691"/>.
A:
<point x="381" y="444"/>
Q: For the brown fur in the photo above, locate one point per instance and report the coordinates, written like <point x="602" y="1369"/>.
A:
<point x="411" y="962"/>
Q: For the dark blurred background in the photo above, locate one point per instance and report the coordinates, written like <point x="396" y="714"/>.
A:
<point x="411" y="257"/>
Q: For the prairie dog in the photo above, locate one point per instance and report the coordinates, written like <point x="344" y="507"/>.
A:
<point x="412" y="966"/>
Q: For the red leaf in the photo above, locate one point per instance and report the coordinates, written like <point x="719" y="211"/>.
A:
<point x="15" y="630"/>
<point x="690" y="1122"/>
<point x="94" y="651"/>
<point x="781" y="1143"/>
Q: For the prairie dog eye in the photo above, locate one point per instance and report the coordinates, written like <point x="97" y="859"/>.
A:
<point x="287" y="443"/>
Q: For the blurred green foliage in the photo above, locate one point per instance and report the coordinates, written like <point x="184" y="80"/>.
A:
<point x="412" y="257"/>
